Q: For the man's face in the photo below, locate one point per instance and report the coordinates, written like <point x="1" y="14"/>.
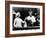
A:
<point x="30" y="13"/>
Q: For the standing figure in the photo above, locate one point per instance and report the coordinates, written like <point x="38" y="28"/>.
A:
<point x="18" y="21"/>
<point x="30" y="19"/>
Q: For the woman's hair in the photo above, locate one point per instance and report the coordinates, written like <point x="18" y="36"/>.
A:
<point x="17" y="14"/>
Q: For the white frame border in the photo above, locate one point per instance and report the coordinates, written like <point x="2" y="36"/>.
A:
<point x="25" y="31"/>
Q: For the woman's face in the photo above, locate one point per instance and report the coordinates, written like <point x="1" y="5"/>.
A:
<point x="18" y="14"/>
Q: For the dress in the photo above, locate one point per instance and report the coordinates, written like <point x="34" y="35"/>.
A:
<point x="18" y="22"/>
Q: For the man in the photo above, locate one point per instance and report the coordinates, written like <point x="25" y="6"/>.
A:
<point x="30" y="19"/>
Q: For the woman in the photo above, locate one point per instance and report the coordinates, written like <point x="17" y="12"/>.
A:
<point x="18" y="21"/>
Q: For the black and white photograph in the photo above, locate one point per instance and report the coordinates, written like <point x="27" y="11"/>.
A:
<point x="25" y="18"/>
